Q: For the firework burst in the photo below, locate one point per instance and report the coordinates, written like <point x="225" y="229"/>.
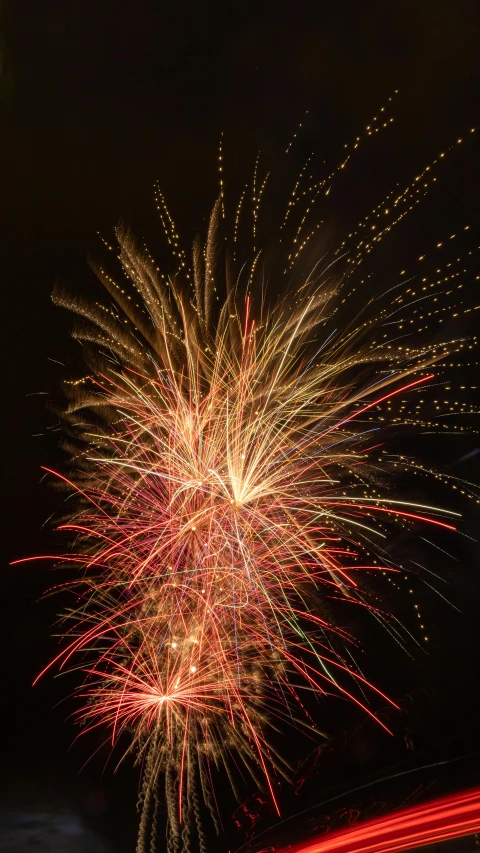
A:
<point x="232" y="485"/>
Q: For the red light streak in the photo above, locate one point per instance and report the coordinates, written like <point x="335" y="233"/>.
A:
<point x="430" y="823"/>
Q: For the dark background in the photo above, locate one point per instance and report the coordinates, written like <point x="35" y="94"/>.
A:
<point x="99" y="99"/>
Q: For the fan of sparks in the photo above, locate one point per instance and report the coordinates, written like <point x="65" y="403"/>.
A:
<point x="233" y="484"/>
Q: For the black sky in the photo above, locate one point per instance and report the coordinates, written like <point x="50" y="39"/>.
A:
<point x="99" y="99"/>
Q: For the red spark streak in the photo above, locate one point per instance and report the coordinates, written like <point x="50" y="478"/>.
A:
<point x="449" y="817"/>
<point x="399" y="512"/>
<point x="377" y="402"/>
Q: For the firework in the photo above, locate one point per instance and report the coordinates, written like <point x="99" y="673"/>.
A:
<point x="233" y="484"/>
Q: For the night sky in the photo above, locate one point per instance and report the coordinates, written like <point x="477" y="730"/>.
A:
<point x="98" y="100"/>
